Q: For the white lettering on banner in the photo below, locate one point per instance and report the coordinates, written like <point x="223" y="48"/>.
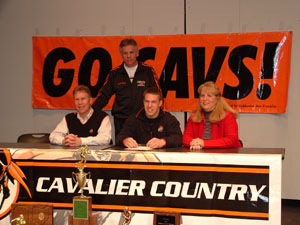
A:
<point x="238" y="190"/>
<point x="223" y="189"/>
<point x="122" y="188"/>
<point x="57" y="184"/>
<point x="172" y="189"/>
<point x="39" y="186"/>
<point x="137" y="186"/>
<point x="186" y="188"/>
<point x="99" y="186"/>
<point x="112" y="187"/>
<point x="204" y="187"/>
<point x="110" y="191"/>
<point x="89" y="186"/>
<point x="256" y="193"/>
<point x="177" y="189"/>
<point x="153" y="191"/>
<point x="70" y="187"/>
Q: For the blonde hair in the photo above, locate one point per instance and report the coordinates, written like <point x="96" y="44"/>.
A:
<point x="82" y="88"/>
<point x="221" y="108"/>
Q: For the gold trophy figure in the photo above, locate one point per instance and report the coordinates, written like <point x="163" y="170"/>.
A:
<point x="127" y="216"/>
<point x="19" y="220"/>
<point x="83" y="152"/>
<point x="81" y="176"/>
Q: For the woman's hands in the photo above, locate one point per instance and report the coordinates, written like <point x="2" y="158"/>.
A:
<point x="196" y="144"/>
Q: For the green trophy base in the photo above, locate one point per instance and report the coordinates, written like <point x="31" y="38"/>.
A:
<point x="82" y="212"/>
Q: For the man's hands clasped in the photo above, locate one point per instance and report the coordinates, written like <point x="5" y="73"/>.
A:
<point x="152" y="143"/>
<point x="71" y="140"/>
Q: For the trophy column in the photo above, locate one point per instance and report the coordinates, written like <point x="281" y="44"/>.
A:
<point x="82" y="205"/>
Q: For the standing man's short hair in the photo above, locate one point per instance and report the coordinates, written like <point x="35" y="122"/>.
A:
<point x="83" y="88"/>
<point x="128" y="41"/>
<point x="154" y="91"/>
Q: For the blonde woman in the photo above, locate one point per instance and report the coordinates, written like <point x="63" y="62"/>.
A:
<point x="213" y="124"/>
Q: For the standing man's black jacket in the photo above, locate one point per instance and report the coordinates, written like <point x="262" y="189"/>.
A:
<point x="129" y="96"/>
<point x="142" y="129"/>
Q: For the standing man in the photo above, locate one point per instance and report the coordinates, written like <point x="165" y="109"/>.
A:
<point x="128" y="82"/>
<point x="85" y="126"/>
<point x="151" y="126"/>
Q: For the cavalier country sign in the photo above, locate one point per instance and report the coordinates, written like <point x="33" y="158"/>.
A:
<point x="205" y="188"/>
<point x="251" y="69"/>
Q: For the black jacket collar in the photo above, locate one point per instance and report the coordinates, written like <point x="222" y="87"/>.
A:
<point x="141" y="115"/>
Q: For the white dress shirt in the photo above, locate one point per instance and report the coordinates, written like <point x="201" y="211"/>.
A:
<point x="103" y="137"/>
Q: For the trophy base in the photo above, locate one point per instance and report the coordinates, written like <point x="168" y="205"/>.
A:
<point x="166" y="218"/>
<point x="91" y="221"/>
<point x="82" y="212"/>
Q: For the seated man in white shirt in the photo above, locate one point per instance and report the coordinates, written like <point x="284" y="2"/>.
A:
<point x="85" y="126"/>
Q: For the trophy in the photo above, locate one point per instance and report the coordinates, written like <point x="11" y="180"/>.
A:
<point x="30" y="213"/>
<point x="81" y="176"/>
<point x="19" y="220"/>
<point x="166" y="218"/>
<point x="127" y="216"/>
<point x="82" y="205"/>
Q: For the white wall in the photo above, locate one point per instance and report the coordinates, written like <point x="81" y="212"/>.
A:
<point x="20" y="20"/>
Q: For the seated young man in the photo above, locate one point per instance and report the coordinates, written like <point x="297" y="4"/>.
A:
<point x="84" y="126"/>
<point x="151" y="126"/>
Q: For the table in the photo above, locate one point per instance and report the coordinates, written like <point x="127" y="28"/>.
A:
<point x="229" y="186"/>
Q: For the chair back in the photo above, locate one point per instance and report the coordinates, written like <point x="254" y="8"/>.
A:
<point x="34" y="138"/>
<point x="242" y="144"/>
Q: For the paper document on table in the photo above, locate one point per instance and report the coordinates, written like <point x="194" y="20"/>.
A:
<point x="140" y="148"/>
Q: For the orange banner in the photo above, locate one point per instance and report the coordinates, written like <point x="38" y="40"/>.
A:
<point x="251" y="69"/>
